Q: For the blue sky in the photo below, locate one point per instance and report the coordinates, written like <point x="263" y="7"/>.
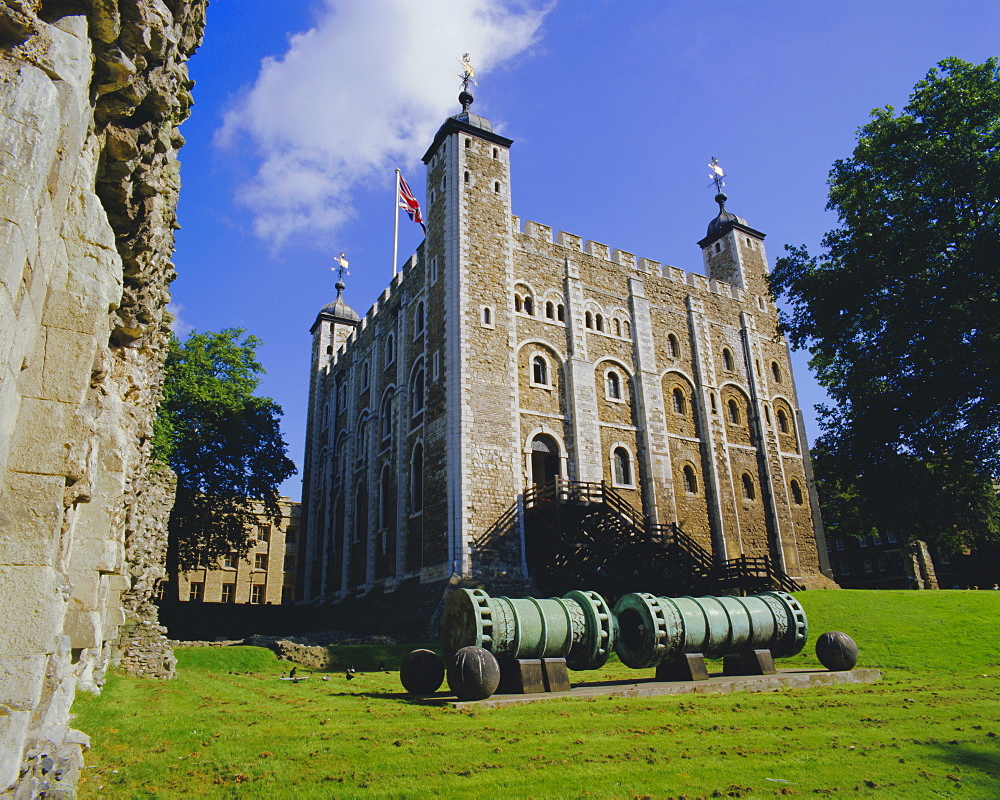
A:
<point x="304" y="107"/>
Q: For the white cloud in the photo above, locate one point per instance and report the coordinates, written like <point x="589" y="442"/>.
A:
<point x="178" y="324"/>
<point x="360" y="93"/>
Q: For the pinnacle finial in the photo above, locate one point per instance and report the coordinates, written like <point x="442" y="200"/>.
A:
<point x="468" y="76"/>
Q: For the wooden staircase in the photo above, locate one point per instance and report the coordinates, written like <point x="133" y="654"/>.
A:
<point x="582" y="535"/>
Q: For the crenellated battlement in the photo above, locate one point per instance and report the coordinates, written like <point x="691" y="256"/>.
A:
<point x="623" y="258"/>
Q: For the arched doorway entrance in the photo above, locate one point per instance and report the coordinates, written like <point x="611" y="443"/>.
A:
<point x="545" y="466"/>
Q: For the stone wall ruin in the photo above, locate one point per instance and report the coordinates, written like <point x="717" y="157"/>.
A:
<point x="91" y="94"/>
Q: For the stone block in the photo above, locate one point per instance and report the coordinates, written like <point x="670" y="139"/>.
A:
<point x="33" y="600"/>
<point x="41" y="442"/>
<point x="73" y="311"/>
<point x="69" y="356"/>
<point x="84" y="628"/>
<point x="21" y="680"/>
<point x="30" y="519"/>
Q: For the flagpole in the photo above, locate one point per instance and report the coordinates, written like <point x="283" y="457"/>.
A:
<point x="395" y="226"/>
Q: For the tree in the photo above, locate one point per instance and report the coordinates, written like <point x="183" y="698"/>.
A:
<point x="223" y="442"/>
<point x="902" y="315"/>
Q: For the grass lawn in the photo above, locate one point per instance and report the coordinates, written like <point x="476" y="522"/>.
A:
<point x="227" y="727"/>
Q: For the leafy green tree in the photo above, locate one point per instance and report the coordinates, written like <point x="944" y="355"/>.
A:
<point x="902" y="315"/>
<point x="223" y="442"/>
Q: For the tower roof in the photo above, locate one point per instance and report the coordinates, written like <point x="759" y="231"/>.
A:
<point x="338" y="310"/>
<point x="725" y="222"/>
<point x="465" y="121"/>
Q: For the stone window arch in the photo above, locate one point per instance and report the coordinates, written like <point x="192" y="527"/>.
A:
<point x="617" y="326"/>
<point x="560" y="312"/>
<point x="749" y="488"/>
<point x="796" y="488"/>
<point x="627" y="328"/>
<point x="550" y="310"/>
<point x="776" y="372"/>
<point x="385" y="499"/>
<point x="622" y="473"/>
<point x="690" y="480"/>
<point x="782" y="421"/>
<point x="735" y="415"/>
<point x="540" y="370"/>
<point x="385" y="417"/>
<point x="366" y="376"/>
<point x="673" y="346"/>
<point x="418" y="320"/>
<point x="599" y="322"/>
<point x="417" y="478"/>
<point x="679" y="400"/>
<point x="613" y="385"/>
<point x="728" y="362"/>
<point x="588" y="320"/>
<point x="417" y="392"/>
<point x="529" y="306"/>
<point x="518" y="303"/>
<point x="487" y="317"/>
<point x="390" y="349"/>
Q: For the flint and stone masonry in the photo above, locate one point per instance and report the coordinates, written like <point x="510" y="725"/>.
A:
<point x="92" y="94"/>
<point x="502" y="357"/>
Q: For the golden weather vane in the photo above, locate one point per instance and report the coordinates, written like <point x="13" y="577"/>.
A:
<point x="717" y="174"/>
<point x="468" y="74"/>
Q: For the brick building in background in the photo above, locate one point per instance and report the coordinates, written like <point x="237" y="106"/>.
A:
<point x="514" y="408"/>
<point x="266" y="575"/>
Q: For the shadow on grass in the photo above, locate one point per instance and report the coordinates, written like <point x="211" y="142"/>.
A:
<point x="965" y="755"/>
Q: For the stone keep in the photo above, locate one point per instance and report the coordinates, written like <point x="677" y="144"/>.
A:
<point x="92" y="93"/>
<point x="501" y="358"/>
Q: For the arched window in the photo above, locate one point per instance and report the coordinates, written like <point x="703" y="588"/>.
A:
<point x="539" y="371"/>
<point x="680" y="404"/>
<point x="518" y="306"/>
<point x="588" y="320"/>
<point x="776" y="371"/>
<point x="496" y="187"/>
<point x="622" y="466"/>
<point x="673" y="346"/>
<point x="796" y="492"/>
<point x="550" y="310"/>
<point x="466" y="177"/>
<point x="727" y="360"/>
<point x="600" y="322"/>
<point x="711" y="397"/>
<point x="618" y="327"/>
<point x="628" y="329"/>
<point x="385" y="418"/>
<point x="614" y="384"/>
<point x="365" y="377"/>
<point x="487" y="316"/>
<point x="468" y="144"/>
<point x="782" y="421"/>
<point x="385" y="499"/>
<point x="390" y="349"/>
<point x="417" y="392"/>
<point x="690" y="480"/>
<point x="329" y="349"/>
<point x="496" y="153"/>
<point x="417" y="479"/>
<point x="734" y="412"/>
<point x="749" y="491"/>
<point x="363" y="441"/>
<point x="529" y="307"/>
<point x="361" y="512"/>
<point x="418" y="320"/>
<point x="561" y="312"/>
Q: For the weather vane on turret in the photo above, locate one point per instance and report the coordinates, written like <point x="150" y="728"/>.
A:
<point x="341" y="270"/>
<point x="717" y="174"/>
<point x="468" y="73"/>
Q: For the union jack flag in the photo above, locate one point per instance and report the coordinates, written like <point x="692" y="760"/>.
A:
<point x="409" y="203"/>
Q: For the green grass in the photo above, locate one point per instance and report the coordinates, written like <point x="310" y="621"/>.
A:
<point x="931" y="728"/>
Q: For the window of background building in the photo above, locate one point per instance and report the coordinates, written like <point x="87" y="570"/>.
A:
<point x="289" y="563"/>
<point x="260" y="561"/>
<point x="869" y="568"/>
<point x="287" y="594"/>
<point x="257" y="594"/>
<point x="229" y="593"/>
<point x="196" y="591"/>
<point x="263" y="533"/>
<point x="230" y="560"/>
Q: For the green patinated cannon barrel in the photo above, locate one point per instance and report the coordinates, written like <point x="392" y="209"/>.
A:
<point x="658" y="630"/>
<point x="578" y="627"/>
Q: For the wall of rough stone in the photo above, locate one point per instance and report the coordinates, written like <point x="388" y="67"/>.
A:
<point x="91" y="93"/>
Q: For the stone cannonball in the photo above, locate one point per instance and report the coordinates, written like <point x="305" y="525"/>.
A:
<point x="473" y="673"/>
<point x="836" y="651"/>
<point x="422" y="672"/>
